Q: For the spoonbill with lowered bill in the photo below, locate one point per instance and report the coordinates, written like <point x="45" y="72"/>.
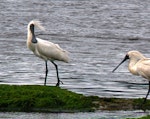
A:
<point x="45" y="49"/>
<point x="138" y="65"/>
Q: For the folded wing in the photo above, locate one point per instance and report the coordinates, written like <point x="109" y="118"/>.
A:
<point x="50" y="51"/>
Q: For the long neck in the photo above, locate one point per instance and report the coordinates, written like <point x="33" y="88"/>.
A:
<point x="132" y="66"/>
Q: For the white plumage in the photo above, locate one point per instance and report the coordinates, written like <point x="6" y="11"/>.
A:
<point x="45" y="49"/>
<point x="138" y="65"/>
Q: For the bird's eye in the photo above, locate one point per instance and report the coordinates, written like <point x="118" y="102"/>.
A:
<point x="32" y="27"/>
<point x="127" y="56"/>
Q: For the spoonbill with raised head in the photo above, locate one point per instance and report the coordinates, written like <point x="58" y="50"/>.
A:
<point x="138" y="65"/>
<point x="45" y="49"/>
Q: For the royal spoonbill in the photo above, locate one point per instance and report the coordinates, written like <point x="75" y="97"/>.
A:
<point x="45" y="49"/>
<point x="138" y="65"/>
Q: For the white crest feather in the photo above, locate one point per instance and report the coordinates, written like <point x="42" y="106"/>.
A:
<point x="37" y="23"/>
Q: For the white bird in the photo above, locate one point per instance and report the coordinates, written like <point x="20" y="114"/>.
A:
<point x="45" y="49"/>
<point x="138" y="65"/>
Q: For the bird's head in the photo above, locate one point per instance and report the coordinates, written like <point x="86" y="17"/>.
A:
<point x="35" y="23"/>
<point x="131" y="55"/>
<point x="136" y="55"/>
<point x="32" y="28"/>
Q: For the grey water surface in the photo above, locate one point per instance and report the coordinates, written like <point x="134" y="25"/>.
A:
<point x="90" y="115"/>
<point x="97" y="34"/>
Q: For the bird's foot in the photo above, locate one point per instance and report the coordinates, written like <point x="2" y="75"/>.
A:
<point x="59" y="83"/>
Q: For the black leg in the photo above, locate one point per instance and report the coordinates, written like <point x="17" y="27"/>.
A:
<point x="58" y="81"/>
<point x="147" y="93"/>
<point x="46" y="72"/>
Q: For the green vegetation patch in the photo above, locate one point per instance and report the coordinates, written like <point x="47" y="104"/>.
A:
<point x="42" y="98"/>
<point x="30" y="98"/>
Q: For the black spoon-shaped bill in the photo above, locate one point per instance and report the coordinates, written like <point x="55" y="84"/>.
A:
<point x="125" y="58"/>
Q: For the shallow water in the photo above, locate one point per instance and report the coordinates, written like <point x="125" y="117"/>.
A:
<point x="97" y="33"/>
<point x="96" y="115"/>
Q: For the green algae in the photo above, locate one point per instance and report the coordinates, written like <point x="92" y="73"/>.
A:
<point x="41" y="98"/>
<point x="36" y="98"/>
